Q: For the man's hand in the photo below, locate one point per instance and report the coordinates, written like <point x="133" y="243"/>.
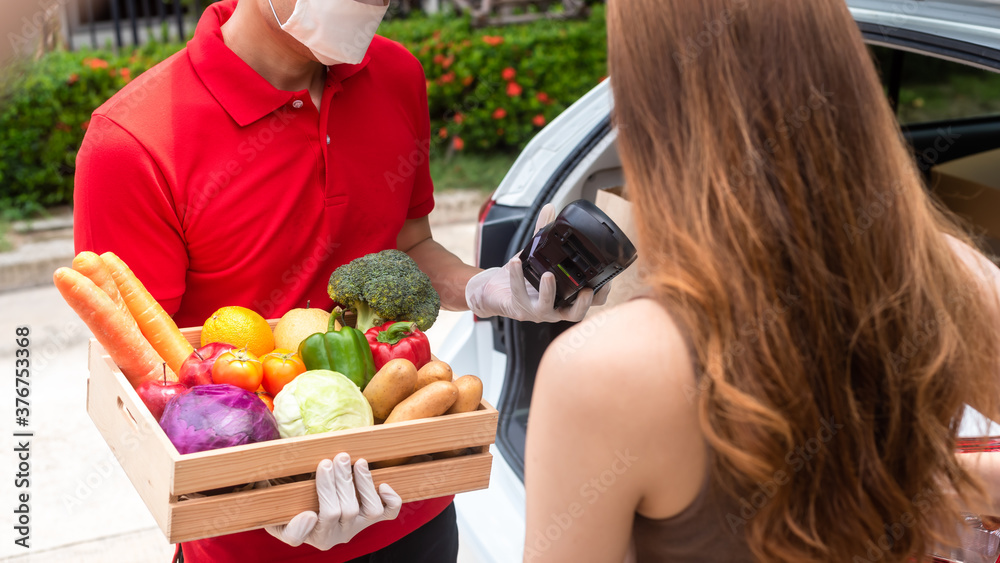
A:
<point x="505" y="292"/>
<point x="340" y="517"/>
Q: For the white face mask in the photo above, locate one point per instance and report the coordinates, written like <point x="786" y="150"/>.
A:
<point x="336" y="31"/>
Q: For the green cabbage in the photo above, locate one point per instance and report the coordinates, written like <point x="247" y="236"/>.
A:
<point x="320" y="401"/>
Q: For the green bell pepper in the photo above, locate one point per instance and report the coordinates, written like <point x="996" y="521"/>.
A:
<point x="345" y="351"/>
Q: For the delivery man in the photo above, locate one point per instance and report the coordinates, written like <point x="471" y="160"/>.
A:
<point x="281" y="143"/>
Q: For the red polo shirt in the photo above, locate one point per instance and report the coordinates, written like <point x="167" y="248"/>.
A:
<point x="218" y="189"/>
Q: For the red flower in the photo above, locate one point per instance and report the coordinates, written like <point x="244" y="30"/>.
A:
<point x="493" y="40"/>
<point x="85" y="125"/>
<point x="443" y="132"/>
<point x="513" y="89"/>
<point x="458" y="143"/>
<point x="73" y="78"/>
<point x="539" y="120"/>
<point x="500" y="113"/>
<point x="543" y="97"/>
<point x="95" y="63"/>
<point x="509" y="74"/>
<point x="459" y="118"/>
<point x="448" y="62"/>
<point x="467" y="80"/>
<point x="438" y="59"/>
<point x="447" y="78"/>
<point x="126" y="74"/>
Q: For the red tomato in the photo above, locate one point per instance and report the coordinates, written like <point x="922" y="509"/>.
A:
<point x="239" y="368"/>
<point x="280" y="367"/>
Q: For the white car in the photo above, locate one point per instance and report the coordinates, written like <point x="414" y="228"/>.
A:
<point x="923" y="48"/>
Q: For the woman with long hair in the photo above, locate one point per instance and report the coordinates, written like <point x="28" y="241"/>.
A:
<point x="790" y="387"/>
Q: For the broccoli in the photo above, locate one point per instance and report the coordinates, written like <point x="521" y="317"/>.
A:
<point x="385" y="286"/>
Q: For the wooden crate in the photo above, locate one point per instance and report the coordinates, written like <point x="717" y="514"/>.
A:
<point x="162" y="476"/>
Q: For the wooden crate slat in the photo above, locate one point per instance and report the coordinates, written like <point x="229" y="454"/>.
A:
<point x="268" y="460"/>
<point x="236" y="512"/>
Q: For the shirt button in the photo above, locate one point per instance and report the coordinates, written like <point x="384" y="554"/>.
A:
<point x="297" y="104"/>
<point x="328" y="139"/>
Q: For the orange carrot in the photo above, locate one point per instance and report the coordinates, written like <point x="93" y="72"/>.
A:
<point x="114" y="329"/>
<point x="90" y="264"/>
<point x="156" y="325"/>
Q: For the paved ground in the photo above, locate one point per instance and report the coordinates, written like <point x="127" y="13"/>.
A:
<point x="83" y="509"/>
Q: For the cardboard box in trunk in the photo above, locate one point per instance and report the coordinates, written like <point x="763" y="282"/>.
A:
<point x="970" y="187"/>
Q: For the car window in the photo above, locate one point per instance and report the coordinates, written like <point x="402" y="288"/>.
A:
<point x="932" y="89"/>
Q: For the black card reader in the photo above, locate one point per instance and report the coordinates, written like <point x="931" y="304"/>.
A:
<point x="583" y="247"/>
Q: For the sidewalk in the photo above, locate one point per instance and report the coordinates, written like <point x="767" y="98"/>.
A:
<point x="83" y="508"/>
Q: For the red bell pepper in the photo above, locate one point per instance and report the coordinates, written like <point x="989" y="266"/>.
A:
<point x="398" y="340"/>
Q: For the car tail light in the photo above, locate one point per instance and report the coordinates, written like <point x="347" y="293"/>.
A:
<point x="484" y="211"/>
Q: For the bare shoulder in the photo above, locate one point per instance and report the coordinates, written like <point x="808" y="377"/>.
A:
<point x="637" y="325"/>
<point x="635" y="351"/>
<point x="623" y="382"/>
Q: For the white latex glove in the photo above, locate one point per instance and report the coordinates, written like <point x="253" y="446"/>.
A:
<point x="505" y="292"/>
<point x="340" y="516"/>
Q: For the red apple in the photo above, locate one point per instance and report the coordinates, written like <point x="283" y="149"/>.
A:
<point x="156" y="394"/>
<point x="197" y="368"/>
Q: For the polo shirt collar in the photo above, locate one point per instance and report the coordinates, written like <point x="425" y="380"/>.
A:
<point x="245" y="95"/>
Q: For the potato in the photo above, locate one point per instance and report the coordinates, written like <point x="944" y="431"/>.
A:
<point x="393" y="383"/>
<point x="428" y="402"/>
<point x="470" y="394"/>
<point x="432" y="400"/>
<point x="433" y="371"/>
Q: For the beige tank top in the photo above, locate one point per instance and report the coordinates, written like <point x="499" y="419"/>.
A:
<point x="709" y="529"/>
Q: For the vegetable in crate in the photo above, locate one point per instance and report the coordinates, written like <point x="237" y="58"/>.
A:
<point x="393" y="383"/>
<point x="217" y="416"/>
<point x="400" y="339"/>
<point x="344" y="351"/>
<point x="320" y="401"/>
<point x="156" y="325"/>
<point x="115" y="329"/>
<point x="385" y="286"/>
<point x="197" y="368"/>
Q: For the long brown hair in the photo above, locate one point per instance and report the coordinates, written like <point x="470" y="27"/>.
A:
<point x="785" y="225"/>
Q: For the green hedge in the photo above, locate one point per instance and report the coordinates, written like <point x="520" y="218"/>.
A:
<point x="495" y="88"/>
<point x="488" y="90"/>
<point x="44" y="113"/>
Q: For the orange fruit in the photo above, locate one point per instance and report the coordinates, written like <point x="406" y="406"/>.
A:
<point x="240" y="327"/>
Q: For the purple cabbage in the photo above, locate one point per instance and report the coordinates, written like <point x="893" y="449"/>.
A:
<point x="217" y="416"/>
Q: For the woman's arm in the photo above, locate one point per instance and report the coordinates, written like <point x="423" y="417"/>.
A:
<point x="610" y="433"/>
